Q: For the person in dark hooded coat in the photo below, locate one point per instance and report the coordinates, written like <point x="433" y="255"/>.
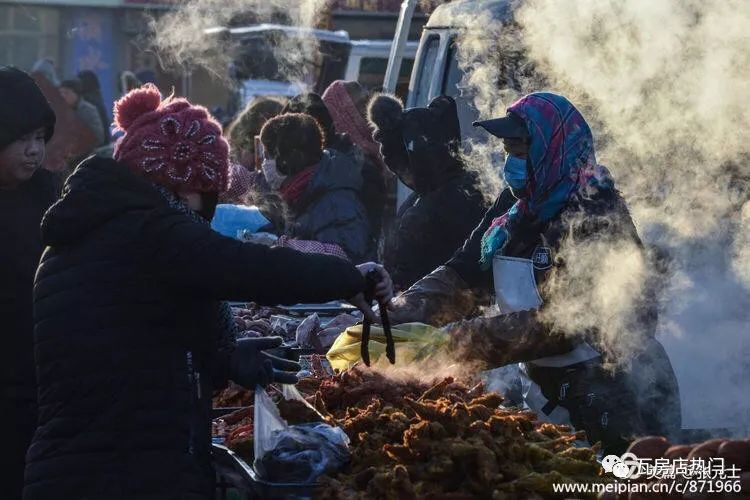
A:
<point x="132" y="331"/>
<point x="26" y="191"/>
<point x="322" y="190"/>
<point x="421" y="146"/>
<point x="537" y="247"/>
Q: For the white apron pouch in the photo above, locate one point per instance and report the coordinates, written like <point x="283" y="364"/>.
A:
<point x="516" y="290"/>
<point x="515" y="284"/>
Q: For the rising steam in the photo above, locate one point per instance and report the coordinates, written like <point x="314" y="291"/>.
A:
<point x="664" y="86"/>
<point x="179" y="40"/>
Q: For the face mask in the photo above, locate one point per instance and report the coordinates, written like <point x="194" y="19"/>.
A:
<point x="515" y="172"/>
<point x="274" y="178"/>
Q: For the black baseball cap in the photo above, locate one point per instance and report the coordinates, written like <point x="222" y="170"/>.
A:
<point x="509" y="126"/>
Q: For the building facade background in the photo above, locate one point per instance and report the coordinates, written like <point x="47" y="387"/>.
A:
<point x="108" y="37"/>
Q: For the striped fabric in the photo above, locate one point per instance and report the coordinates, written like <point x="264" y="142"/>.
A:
<point x="309" y="246"/>
<point x="563" y="165"/>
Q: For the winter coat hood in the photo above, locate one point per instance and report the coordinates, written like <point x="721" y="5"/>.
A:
<point x="23" y="107"/>
<point x="98" y="191"/>
<point x="336" y="171"/>
<point x="331" y="209"/>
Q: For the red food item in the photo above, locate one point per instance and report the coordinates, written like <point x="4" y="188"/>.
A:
<point x="745" y="481"/>
<point x="679" y="451"/>
<point x="233" y="396"/>
<point x="238" y="415"/>
<point x="239" y="433"/>
<point x="707" y="449"/>
<point x="735" y="453"/>
<point x="649" y="447"/>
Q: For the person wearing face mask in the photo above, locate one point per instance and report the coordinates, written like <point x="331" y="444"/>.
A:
<point x="322" y="191"/>
<point x="560" y="196"/>
<point x="27" y="122"/>
<point x="421" y="147"/>
<point x="132" y="331"/>
<point x="338" y="112"/>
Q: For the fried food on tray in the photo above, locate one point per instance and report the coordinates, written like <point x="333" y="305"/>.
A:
<point x="297" y="412"/>
<point x="445" y="440"/>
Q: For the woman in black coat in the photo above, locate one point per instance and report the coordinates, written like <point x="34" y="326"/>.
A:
<point x="26" y="191"/>
<point x="421" y="146"/>
<point x="132" y="336"/>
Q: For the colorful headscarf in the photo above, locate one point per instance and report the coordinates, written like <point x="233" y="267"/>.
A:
<point x="348" y="119"/>
<point x="563" y="166"/>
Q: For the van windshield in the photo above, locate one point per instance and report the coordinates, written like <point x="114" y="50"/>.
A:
<point x="467" y="113"/>
<point x="427" y="66"/>
<point x="372" y="70"/>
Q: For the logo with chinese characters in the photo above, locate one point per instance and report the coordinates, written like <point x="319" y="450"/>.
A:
<point x="624" y="467"/>
<point x="542" y="258"/>
<point x="628" y="466"/>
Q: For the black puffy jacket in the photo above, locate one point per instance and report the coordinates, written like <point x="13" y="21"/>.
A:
<point x="21" y="211"/>
<point x="432" y="225"/>
<point x="126" y="340"/>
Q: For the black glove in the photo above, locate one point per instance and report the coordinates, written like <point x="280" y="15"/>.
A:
<point x="250" y="366"/>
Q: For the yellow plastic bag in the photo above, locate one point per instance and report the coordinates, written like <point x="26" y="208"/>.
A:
<point x="412" y="341"/>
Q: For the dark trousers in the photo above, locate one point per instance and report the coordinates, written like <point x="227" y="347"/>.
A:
<point x="613" y="407"/>
<point x="18" y="419"/>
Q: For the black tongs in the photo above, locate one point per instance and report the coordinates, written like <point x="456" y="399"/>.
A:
<point x="372" y="279"/>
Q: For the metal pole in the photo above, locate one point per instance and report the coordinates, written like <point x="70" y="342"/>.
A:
<point x="399" y="43"/>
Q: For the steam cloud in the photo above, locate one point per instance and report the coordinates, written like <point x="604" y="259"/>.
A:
<point x="179" y="40"/>
<point x="664" y="87"/>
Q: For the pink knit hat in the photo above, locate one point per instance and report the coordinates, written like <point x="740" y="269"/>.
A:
<point x="171" y="142"/>
<point x="348" y="119"/>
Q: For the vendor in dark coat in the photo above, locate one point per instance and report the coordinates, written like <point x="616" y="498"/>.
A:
<point x="421" y="146"/>
<point x="26" y="192"/>
<point x="321" y="189"/>
<point x="613" y="387"/>
<point x="132" y="335"/>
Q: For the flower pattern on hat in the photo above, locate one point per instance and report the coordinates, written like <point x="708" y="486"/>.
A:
<point x="176" y="145"/>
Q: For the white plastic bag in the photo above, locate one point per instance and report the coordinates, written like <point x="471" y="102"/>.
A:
<point x="294" y="453"/>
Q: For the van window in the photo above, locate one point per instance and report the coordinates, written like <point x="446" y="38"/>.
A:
<point x="467" y="113"/>
<point x="372" y="72"/>
<point x="427" y="65"/>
